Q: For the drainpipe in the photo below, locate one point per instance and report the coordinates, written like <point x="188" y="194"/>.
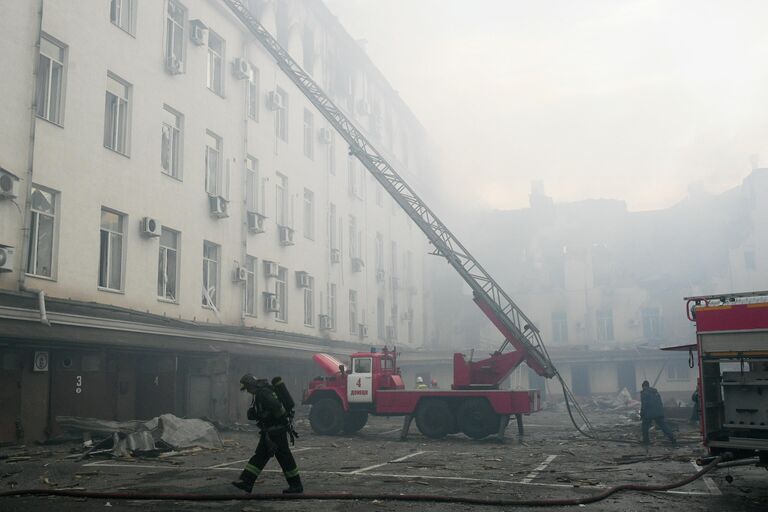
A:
<point x="41" y="303"/>
<point x="30" y="155"/>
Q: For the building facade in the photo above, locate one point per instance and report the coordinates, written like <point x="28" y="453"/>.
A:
<point x="178" y="213"/>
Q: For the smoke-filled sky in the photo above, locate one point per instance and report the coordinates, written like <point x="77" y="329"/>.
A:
<point x="630" y="100"/>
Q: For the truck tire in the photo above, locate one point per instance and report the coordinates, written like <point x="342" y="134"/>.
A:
<point x="434" y="418"/>
<point x="326" y="417"/>
<point x="354" y="421"/>
<point x="477" y="419"/>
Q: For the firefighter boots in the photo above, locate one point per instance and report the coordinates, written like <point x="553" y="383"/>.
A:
<point x="294" y="486"/>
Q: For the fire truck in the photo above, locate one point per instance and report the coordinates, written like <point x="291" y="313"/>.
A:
<point x="732" y="347"/>
<point x="372" y="384"/>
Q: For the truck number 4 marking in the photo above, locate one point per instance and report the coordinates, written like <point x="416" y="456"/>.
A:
<point x="359" y="382"/>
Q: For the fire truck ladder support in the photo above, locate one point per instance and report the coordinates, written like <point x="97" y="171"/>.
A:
<point x="517" y="328"/>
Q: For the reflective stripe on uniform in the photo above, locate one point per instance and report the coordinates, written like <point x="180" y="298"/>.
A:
<point x="292" y="473"/>
<point x="252" y="469"/>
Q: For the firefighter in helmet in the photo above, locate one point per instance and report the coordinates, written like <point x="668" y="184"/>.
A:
<point x="274" y="420"/>
<point x="420" y="383"/>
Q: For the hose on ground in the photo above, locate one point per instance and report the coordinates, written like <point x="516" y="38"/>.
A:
<point x="340" y="496"/>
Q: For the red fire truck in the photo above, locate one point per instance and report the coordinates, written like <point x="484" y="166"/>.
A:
<point x="732" y="346"/>
<point x="371" y="385"/>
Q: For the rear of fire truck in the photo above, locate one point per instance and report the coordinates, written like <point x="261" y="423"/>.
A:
<point x="732" y="345"/>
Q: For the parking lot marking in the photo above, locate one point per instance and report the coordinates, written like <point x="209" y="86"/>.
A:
<point x="401" y="459"/>
<point x="533" y="474"/>
<point x="225" y="464"/>
<point x="391" y="431"/>
<point x="711" y="485"/>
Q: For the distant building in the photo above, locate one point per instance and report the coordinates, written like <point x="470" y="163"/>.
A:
<point x="187" y="213"/>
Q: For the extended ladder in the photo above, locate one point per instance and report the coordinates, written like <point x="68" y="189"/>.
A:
<point x="517" y="329"/>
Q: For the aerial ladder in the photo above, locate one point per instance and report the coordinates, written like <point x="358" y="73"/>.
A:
<point x="509" y="319"/>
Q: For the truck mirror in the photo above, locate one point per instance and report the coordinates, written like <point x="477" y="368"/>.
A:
<point x="341" y="368"/>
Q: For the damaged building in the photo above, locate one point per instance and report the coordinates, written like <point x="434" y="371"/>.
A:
<point x="174" y="212"/>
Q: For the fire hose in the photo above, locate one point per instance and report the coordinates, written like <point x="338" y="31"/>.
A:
<point x="343" y="496"/>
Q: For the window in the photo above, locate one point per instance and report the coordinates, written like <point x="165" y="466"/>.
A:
<point x="282" y="202"/>
<point x="309" y="130"/>
<point x="174" y="35"/>
<point x="213" y="145"/>
<point x="393" y="248"/>
<point x="379" y="252"/>
<point x="354" y="246"/>
<point x="170" y="146"/>
<point x="111" y="250"/>
<point x="604" y="325"/>
<point x="379" y="195"/>
<point x="215" y="75"/>
<point x="332" y="153"/>
<point x="353" y="183"/>
<point x="362" y="365"/>
<point x="254" y="187"/>
<point x="168" y="266"/>
<point x="559" y="327"/>
<point x="50" y="81"/>
<point x="250" y="291"/>
<point x="332" y="228"/>
<point x="332" y="304"/>
<point x="309" y="303"/>
<point x="394" y="319"/>
<point x="353" y="312"/>
<point x="116" y="112"/>
<point x="678" y="370"/>
<point x="651" y="324"/>
<point x="210" y="275"/>
<point x="308" y="53"/>
<point x="309" y="214"/>
<point x="42" y="232"/>
<point x="381" y="331"/>
<point x="281" y="291"/>
<point x="253" y="94"/>
<point x="281" y="116"/>
<point x="123" y="13"/>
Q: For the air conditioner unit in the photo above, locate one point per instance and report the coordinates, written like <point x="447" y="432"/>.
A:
<point x="363" y="107"/>
<point x="271" y="269"/>
<point x="395" y="283"/>
<point x="325" y="323"/>
<point x="174" y="65"/>
<point x="363" y="330"/>
<point x="390" y="333"/>
<point x="380" y="276"/>
<point x="271" y="305"/>
<point x="276" y="101"/>
<point x="150" y="227"/>
<point x="286" y="235"/>
<point x="198" y="32"/>
<point x="241" y="69"/>
<point x="218" y="207"/>
<point x="335" y="256"/>
<point x="325" y="136"/>
<point x="357" y="265"/>
<point x="6" y="258"/>
<point x="256" y="222"/>
<point x="240" y="275"/>
<point x="9" y="185"/>
<point x="302" y="279"/>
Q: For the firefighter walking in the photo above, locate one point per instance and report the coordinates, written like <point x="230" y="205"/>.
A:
<point x="272" y="408"/>
<point x="652" y="411"/>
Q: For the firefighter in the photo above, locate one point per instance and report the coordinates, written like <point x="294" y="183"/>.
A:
<point x="696" y="411"/>
<point x="652" y="410"/>
<point x="420" y="383"/>
<point x="274" y="424"/>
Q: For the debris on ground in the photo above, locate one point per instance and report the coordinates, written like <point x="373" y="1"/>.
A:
<point x="166" y="434"/>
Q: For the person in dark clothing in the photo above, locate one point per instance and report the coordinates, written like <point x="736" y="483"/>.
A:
<point x="274" y="423"/>
<point x="652" y="410"/>
<point x="696" y="407"/>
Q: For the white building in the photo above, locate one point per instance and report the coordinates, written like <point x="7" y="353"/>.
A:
<point x="188" y="214"/>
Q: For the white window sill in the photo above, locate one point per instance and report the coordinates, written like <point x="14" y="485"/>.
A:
<point x="175" y="178"/>
<point x="110" y="290"/>
<point x="126" y="155"/>
<point x="44" y="278"/>
<point x="167" y="301"/>
<point x="54" y="123"/>
<point x="124" y="30"/>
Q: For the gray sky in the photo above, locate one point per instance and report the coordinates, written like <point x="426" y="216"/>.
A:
<point x="630" y="99"/>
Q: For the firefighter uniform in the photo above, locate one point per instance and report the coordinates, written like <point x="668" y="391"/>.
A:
<point x="652" y="410"/>
<point x="273" y="422"/>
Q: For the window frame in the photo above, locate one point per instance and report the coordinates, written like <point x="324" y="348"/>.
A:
<point x="163" y="251"/>
<point x="61" y="61"/>
<point x="211" y="268"/>
<point x="282" y="117"/>
<point x="281" y="293"/>
<point x="215" y="58"/>
<point x="332" y="304"/>
<point x="109" y="258"/>
<point x="309" y="131"/>
<point x="176" y="157"/>
<point x="173" y="29"/>
<point x="34" y="232"/>
<point x="604" y="324"/>
<point x="353" y="310"/>
<point x="213" y="177"/>
<point x="121" y="117"/>
<point x="309" y="214"/>
<point x="129" y="27"/>
<point x="254" y="87"/>
<point x="309" y="302"/>
<point x="251" y="267"/>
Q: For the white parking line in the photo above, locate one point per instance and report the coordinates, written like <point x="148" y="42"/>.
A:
<point x="533" y="474"/>
<point x="224" y="464"/>
<point x="711" y="485"/>
<point x="391" y="431"/>
<point x="401" y="459"/>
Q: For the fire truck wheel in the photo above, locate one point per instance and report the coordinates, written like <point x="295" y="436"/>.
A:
<point x="326" y="417"/>
<point x="477" y="418"/>
<point x="354" y="421"/>
<point x="434" y="418"/>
